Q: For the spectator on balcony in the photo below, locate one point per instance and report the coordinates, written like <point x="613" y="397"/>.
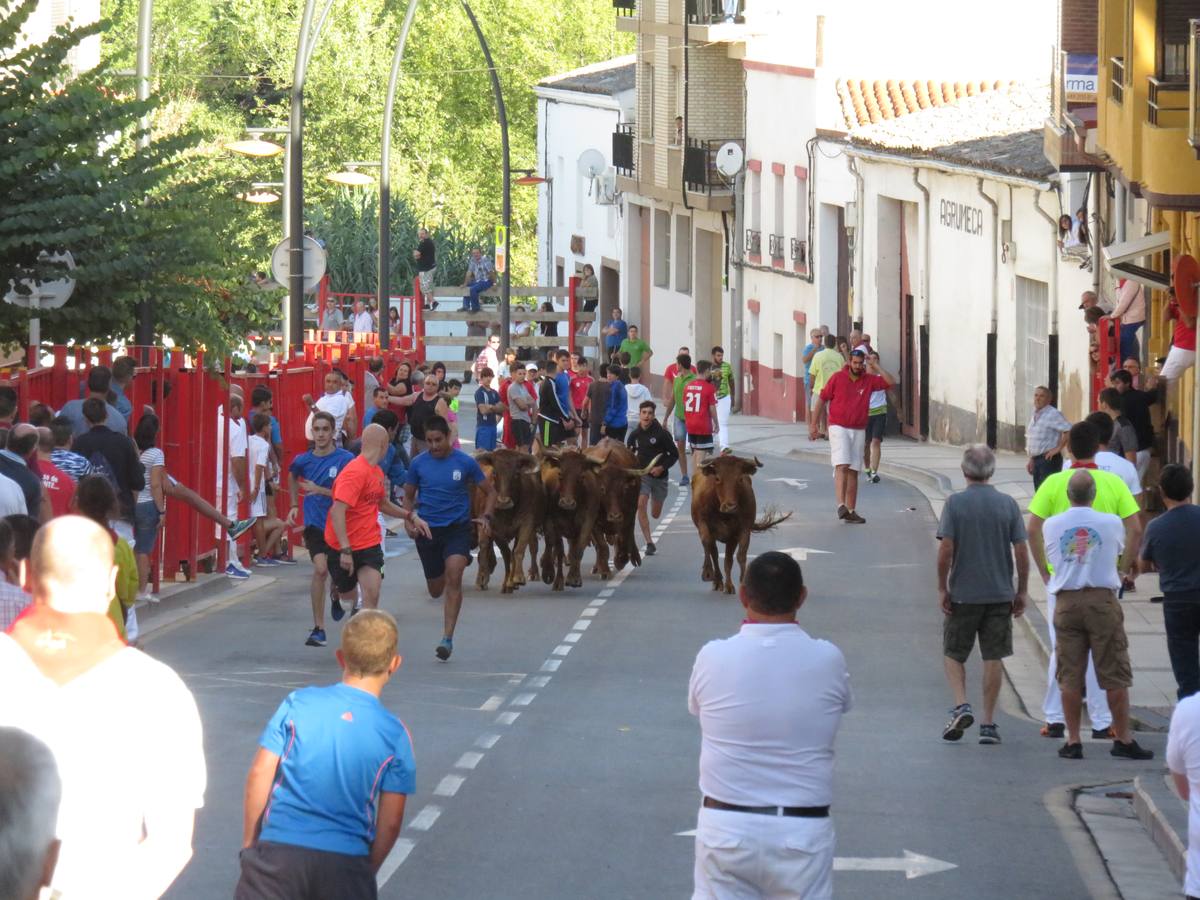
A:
<point x="1182" y="355"/>
<point x="332" y="320"/>
<point x="480" y="276"/>
<point x="615" y="332"/>
<point x="731" y="10"/>
<point x="679" y="131"/>
<point x="1131" y="310"/>
<point x="426" y="257"/>
<point x="589" y="293"/>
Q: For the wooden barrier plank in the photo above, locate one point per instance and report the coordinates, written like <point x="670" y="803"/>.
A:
<point x="451" y="340"/>
<point x="516" y="315"/>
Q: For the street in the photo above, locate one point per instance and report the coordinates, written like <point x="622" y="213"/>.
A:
<point x="556" y="757"/>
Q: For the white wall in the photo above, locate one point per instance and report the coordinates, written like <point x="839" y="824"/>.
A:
<point x="48" y="16"/>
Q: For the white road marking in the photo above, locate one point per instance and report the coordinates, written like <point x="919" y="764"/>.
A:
<point x="448" y="786"/>
<point x="691" y="833"/>
<point x="523" y="699"/>
<point x="588" y="612"/>
<point x="424" y="820"/>
<point x="562" y="649"/>
<point x="394" y="861"/>
<point x="913" y="865"/>
<point x="516" y="678"/>
<point x="801" y="554"/>
<point x="582" y="625"/>
<point x="537" y="681"/>
<point x="492" y="703"/>
<point x="506" y="718"/>
<point x="551" y="665"/>
<point x="799" y="484"/>
<point x="607" y="592"/>
<point x="598" y="602"/>
<point x="572" y="637"/>
<point x="468" y="760"/>
<point x="487" y="741"/>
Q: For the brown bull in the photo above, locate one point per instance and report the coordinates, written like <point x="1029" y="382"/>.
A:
<point x="572" y="502"/>
<point x="520" y="507"/>
<point x="618" y="482"/>
<point x="723" y="509"/>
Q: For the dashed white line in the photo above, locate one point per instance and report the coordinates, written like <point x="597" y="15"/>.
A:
<point x="572" y="637"/>
<point x="607" y="592"/>
<point x="537" y="681"/>
<point x="589" y="612"/>
<point x="492" y="703"/>
<point x="506" y="718"/>
<point x="562" y="649"/>
<point x="394" y="861"/>
<point x="598" y="602"/>
<point x="448" y="786"/>
<point x="523" y="699"/>
<point x="487" y="741"/>
<point x="424" y="820"/>
<point x="581" y="625"/>
<point x="551" y="665"/>
<point x="468" y="760"/>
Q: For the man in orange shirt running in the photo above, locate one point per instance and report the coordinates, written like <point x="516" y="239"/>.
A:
<point x="352" y="531"/>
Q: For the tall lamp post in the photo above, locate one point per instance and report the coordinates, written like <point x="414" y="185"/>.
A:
<point x="144" y="332"/>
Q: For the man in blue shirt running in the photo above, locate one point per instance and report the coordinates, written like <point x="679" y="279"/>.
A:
<point x="440" y="486"/>
<point x="326" y="791"/>
<point x="314" y="472"/>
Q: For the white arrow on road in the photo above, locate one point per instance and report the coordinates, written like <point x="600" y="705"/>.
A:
<point x="799" y="484"/>
<point x="801" y="554"/>
<point x="913" y="865"/>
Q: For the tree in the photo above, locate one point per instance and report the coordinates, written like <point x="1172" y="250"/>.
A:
<point x="142" y="223"/>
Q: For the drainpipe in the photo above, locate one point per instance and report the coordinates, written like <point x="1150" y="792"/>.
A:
<point x="924" y="246"/>
<point x="992" y="413"/>
<point x="922" y="373"/>
<point x="856" y="268"/>
<point x="737" y="303"/>
<point x="1053" y="341"/>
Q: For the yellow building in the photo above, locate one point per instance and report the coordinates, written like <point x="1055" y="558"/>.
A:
<point x="1146" y="133"/>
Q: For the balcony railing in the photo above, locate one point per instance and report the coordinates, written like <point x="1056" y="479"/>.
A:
<point x="800" y="253"/>
<point x="1194" y="85"/>
<point x="710" y="12"/>
<point x="625" y="7"/>
<point x="622" y="148"/>
<point x="700" y="172"/>
<point x="1116" y="78"/>
<point x="775" y="244"/>
<point x="1167" y="102"/>
<point x="753" y="242"/>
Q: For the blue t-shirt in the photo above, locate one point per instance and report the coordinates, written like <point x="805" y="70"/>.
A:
<point x="338" y="750"/>
<point x="276" y="434"/>
<point x="616" y="413"/>
<point x="321" y="471"/>
<point x="442" y="497"/>
<point x="486" y="395"/>
<point x="613" y="341"/>
<point x="562" y="387"/>
<point x="1170" y="543"/>
<point x="369" y="415"/>
<point x="124" y="407"/>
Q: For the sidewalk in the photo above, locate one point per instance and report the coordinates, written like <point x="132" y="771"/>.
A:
<point x="934" y="470"/>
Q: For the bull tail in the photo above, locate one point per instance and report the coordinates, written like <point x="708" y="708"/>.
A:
<point x="769" y="519"/>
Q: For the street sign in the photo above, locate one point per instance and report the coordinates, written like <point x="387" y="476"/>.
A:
<point x="501" y="255"/>
<point x="314" y="263"/>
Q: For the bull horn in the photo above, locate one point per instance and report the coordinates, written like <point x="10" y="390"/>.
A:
<point x="532" y="468"/>
<point x="646" y="470"/>
<point x="757" y="464"/>
<point x="551" y="454"/>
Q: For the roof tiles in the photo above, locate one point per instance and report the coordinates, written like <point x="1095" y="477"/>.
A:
<point x="867" y="102"/>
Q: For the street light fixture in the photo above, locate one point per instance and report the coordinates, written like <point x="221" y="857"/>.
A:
<point x="351" y="177"/>
<point x="261" y="192"/>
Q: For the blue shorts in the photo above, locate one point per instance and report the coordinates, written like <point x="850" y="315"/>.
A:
<point x="145" y="527"/>
<point x="679" y="428"/>
<point x="447" y="541"/>
<point x="485" y="437"/>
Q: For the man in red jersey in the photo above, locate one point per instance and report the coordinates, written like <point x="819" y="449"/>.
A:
<point x="700" y="414"/>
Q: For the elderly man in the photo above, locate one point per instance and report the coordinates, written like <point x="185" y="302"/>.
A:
<point x="981" y="533"/>
<point x="121" y="837"/>
<point x="19" y="448"/>
<point x="777" y="695"/>
<point x="30" y="792"/>
<point x="481" y="274"/>
<point x="363" y="323"/>
<point x="1086" y="548"/>
<point x="1045" y="437"/>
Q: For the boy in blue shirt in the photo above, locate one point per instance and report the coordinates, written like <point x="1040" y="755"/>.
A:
<point x="326" y="791"/>
<point x="487" y="405"/>
<point x="616" y="421"/>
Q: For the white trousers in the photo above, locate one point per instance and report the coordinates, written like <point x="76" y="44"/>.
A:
<point x="721" y="438"/>
<point x="743" y="856"/>
<point x="1097" y="698"/>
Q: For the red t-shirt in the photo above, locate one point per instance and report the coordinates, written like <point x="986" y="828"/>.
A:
<point x="1184" y="337"/>
<point x="672" y="371"/>
<point x="849" y="399"/>
<point x="360" y="486"/>
<point x="59" y="485"/>
<point x="579" y="386"/>
<point x="698" y="397"/>
<point x="507" y="440"/>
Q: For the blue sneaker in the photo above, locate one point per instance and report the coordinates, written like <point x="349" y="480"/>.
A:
<point x="233" y="570"/>
<point x="266" y="562"/>
<point x="337" y="611"/>
<point x="683" y="482"/>
<point x="282" y="560"/>
<point x="444" y="649"/>
<point x="316" y="638"/>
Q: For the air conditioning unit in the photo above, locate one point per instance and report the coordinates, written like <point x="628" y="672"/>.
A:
<point x="606" y="188"/>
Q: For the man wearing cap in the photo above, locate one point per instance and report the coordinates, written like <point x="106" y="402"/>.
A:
<point x="848" y="395"/>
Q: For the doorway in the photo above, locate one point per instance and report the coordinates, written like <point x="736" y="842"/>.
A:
<point x="910" y="381"/>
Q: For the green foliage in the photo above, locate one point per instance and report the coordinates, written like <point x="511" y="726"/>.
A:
<point x="151" y="223"/>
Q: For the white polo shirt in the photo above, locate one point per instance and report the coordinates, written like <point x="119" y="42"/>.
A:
<point x="1183" y="757"/>
<point x="769" y="700"/>
<point x="1121" y="467"/>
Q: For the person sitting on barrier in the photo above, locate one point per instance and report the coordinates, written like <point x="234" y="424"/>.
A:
<point x="480" y="273"/>
<point x="339" y="404"/>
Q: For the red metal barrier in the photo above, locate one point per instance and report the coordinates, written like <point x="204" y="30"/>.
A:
<point x="572" y="307"/>
<point x="1108" y="337"/>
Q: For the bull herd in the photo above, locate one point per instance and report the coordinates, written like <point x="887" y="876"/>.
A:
<point x="572" y="498"/>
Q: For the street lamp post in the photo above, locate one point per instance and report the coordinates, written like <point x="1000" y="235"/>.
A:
<point x="295" y="171"/>
<point x="144" y="332"/>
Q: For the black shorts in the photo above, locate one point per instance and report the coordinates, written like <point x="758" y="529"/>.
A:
<point x="551" y="433"/>
<point x="594" y="434"/>
<point x="875" y="426"/>
<point x="616" y="432"/>
<point x="274" y="871"/>
<point x="314" y="541"/>
<point x="447" y="541"/>
<point x="522" y="432"/>
<point x="367" y="558"/>
<point x="700" y="441"/>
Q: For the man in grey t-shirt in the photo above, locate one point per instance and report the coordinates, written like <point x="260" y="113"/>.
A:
<point x="981" y="532"/>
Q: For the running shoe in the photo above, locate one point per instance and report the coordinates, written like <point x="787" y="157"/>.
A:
<point x="1071" y="751"/>
<point x="855" y="519"/>
<point x="357" y="609"/>
<point x="989" y="734"/>
<point x="1104" y="734"/>
<point x="240" y="527"/>
<point x="316" y="638"/>
<point x="233" y="570"/>
<point x="874" y="478"/>
<point x="842" y="511"/>
<point x="283" y="560"/>
<point x="266" y="562"/>
<point x="683" y="482"/>
<point x="961" y="718"/>
<point x="1132" y="750"/>
<point x="1054" y="730"/>
<point x="444" y="649"/>
<point x="650" y="548"/>
<point x="867" y="473"/>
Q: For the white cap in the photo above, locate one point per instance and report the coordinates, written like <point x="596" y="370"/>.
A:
<point x="530" y="367"/>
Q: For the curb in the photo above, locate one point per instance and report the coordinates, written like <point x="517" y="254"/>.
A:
<point x="191" y="598"/>
<point x="1164" y="816"/>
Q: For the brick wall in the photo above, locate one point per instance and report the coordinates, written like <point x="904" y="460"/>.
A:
<point x="1078" y="25"/>
<point x="716" y="94"/>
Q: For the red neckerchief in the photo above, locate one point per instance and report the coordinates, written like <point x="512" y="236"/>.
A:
<point x="1082" y="465"/>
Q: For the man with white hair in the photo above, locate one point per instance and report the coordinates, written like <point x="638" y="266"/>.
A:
<point x="30" y="791"/>
<point x="67" y="677"/>
<point x="981" y="534"/>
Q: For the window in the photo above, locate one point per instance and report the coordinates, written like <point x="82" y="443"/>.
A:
<point x="662" y="248"/>
<point x="779" y="205"/>
<point x="777" y="355"/>
<point x="802" y="207"/>
<point x="754" y="213"/>
<point x="1033" y="348"/>
<point x="683" y="254"/>
<point x="1172" y="44"/>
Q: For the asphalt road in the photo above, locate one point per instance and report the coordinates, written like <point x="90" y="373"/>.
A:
<point x="556" y="757"/>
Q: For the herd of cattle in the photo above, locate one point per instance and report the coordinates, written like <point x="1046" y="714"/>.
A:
<point x="574" y="498"/>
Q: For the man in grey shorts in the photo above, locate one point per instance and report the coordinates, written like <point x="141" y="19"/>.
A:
<point x="649" y="440"/>
<point x="981" y="532"/>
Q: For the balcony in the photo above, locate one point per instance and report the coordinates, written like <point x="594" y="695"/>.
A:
<point x="1064" y="135"/>
<point x="700" y="171"/>
<point x="622" y="149"/>
<point x="625" y="7"/>
<point x="753" y="245"/>
<point x="799" y="255"/>
<point x="775" y="243"/>
<point x="712" y="12"/>
<point x="1116" y="78"/>
<point x="1167" y="103"/>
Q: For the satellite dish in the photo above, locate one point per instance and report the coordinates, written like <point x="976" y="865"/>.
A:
<point x="591" y="164"/>
<point x="48" y="294"/>
<point x="730" y="158"/>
